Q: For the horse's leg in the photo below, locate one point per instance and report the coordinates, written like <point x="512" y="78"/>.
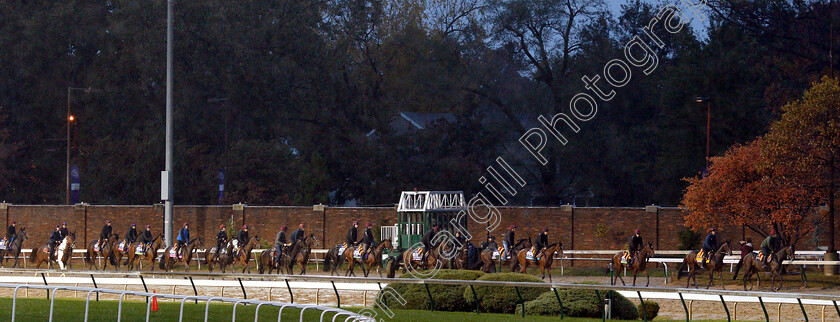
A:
<point x="711" y="278"/>
<point x="635" y="273"/>
<point x="722" y="286"/>
<point x="648" y="278"/>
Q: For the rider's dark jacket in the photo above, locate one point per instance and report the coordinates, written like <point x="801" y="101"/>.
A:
<point x="243" y="237"/>
<point x="428" y="237"/>
<point x="55" y="237"/>
<point x="131" y="235"/>
<point x="635" y="243"/>
<point x="368" y="237"/>
<point x="11" y="232"/>
<point x="106" y="232"/>
<point x="351" y="237"/>
<point x="710" y="243"/>
<point x="146" y="237"/>
<point x="297" y="235"/>
<point x="509" y="236"/>
<point x="541" y="241"/>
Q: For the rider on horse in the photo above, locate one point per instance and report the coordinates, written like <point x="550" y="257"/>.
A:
<point x="490" y="244"/>
<point x="11" y="233"/>
<point x="539" y="245"/>
<point x="55" y="239"/>
<point x="221" y="239"/>
<point x="298" y="234"/>
<point x="131" y="235"/>
<point x="64" y="232"/>
<point x="635" y="245"/>
<point x="280" y="242"/>
<point x="427" y="241"/>
<point x="770" y="245"/>
<point x="367" y="240"/>
<point x="145" y="237"/>
<point x="352" y="233"/>
<point x="508" y="241"/>
<point x="106" y="233"/>
<point x="242" y="237"/>
<point x="710" y="244"/>
<point x="183" y="238"/>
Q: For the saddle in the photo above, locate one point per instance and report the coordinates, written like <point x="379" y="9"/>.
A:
<point x="357" y="253"/>
<point x="140" y="249"/>
<point x="47" y="249"/>
<point x="5" y="244"/>
<point x="121" y="246"/>
<point x="529" y="255"/>
<point x="764" y="258"/>
<point x="418" y="254"/>
<point x="626" y="257"/>
<point x="342" y="248"/>
<point x="699" y="257"/>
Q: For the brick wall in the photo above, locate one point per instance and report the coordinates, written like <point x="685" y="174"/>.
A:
<point x="577" y="228"/>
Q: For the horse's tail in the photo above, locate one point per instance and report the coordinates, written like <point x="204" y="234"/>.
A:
<point x="33" y="255"/>
<point x="113" y="259"/>
<point x="162" y="261"/>
<point x="87" y="258"/>
<point x="327" y="262"/>
<point x="681" y="268"/>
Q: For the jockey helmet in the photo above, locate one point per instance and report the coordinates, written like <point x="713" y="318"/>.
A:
<point x="284" y="228"/>
<point x="637" y="231"/>
<point x="221" y="226"/>
<point x="369" y="225"/>
<point x="301" y="226"/>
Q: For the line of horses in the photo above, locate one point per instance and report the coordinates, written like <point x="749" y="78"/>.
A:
<point x="118" y="253"/>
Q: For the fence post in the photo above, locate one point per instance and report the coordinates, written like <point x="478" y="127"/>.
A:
<point x="836" y="308"/>
<point x="94" y="286"/>
<point x="431" y="301"/>
<point x="52" y="301"/>
<point x="682" y="300"/>
<point x="800" y="306"/>
<point x="45" y="283"/>
<point x="728" y="318"/>
<point x="337" y="298"/>
<point x="244" y="295"/>
<point x="521" y="301"/>
<point x="601" y="300"/>
<point x="644" y="307"/>
<point x="475" y="297"/>
<point x="291" y="296"/>
<point x="145" y="288"/>
<point x="195" y="291"/>
<point x="558" y="301"/>
<point x="766" y="317"/>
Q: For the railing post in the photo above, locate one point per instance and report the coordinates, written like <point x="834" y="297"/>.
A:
<point x="244" y="295"/>
<point x="431" y="301"/>
<point x="475" y="298"/>
<point x="14" y="301"/>
<point x="52" y="301"/>
<point x="803" y="309"/>
<point x="337" y="297"/>
<point x="195" y="291"/>
<point x="601" y="300"/>
<point x="763" y="308"/>
<point x="45" y="283"/>
<point x="728" y="318"/>
<point x="682" y="300"/>
<point x="145" y="289"/>
<point x="836" y="308"/>
<point x="94" y="286"/>
<point x="87" y="306"/>
<point x="644" y="307"/>
<point x="521" y="301"/>
<point x="558" y="301"/>
<point x="119" y="307"/>
<point x="291" y="296"/>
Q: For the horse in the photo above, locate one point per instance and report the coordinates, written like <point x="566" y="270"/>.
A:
<point x="639" y="264"/>
<point x="216" y="255"/>
<point x="300" y="254"/>
<point x="715" y="264"/>
<point x="106" y="250"/>
<point x="462" y="259"/>
<point x="488" y="263"/>
<point x="333" y="260"/>
<point x="268" y="260"/>
<point x="63" y="253"/>
<point x="14" y="248"/>
<point x="754" y="266"/>
<point x="524" y="243"/>
<point x="374" y="258"/>
<point x="167" y="262"/>
<point x="544" y="262"/>
<point x="244" y="254"/>
<point x="432" y="259"/>
<point x="150" y="254"/>
<point x="126" y="250"/>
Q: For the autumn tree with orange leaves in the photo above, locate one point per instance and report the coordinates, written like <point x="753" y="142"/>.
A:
<point x="744" y="187"/>
<point x="779" y="180"/>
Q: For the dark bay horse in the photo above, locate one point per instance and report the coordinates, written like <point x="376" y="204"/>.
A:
<point x="544" y="262"/>
<point x="63" y="253"/>
<point x="774" y="267"/>
<point x="715" y="264"/>
<point x="14" y="248"/>
<point x="513" y="262"/>
<point x="300" y="254"/>
<point x="333" y="259"/>
<point x="639" y="264"/>
<point x="149" y="255"/>
<point x="106" y="251"/>
<point x="374" y="258"/>
<point x="167" y="262"/>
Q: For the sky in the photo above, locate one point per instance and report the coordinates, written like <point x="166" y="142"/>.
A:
<point x="698" y="26"/>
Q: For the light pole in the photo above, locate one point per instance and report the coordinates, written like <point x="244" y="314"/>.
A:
<point x="166" y="184"/>
<point x="70" y="119"/>
<point x="701" y="100"/>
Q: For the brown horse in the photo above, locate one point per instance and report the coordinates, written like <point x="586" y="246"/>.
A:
<point x="639" y="264"/>
<point x="544" y="262"/>
<point x="374" y="258"/>
<point x="63" y="253"/>
<point x="244" y="255"/>
<point x="149" y="255"/>
<point x="268" y="260"/>
<point x="433" y="258"/>
<point x="106" y="250"/>
<point x="14" y="248"/>
<point x="774" y="267"/>
<point x="462" y="260"/>
<point x="333" y="259"/>
<point x="127" y="248"/>
<point x="217" y="256"/>
<point x="715" y="264"/>
<point x="167" y="262"/>
<point x="300" y="254"/>
<point x="513" y="262"/>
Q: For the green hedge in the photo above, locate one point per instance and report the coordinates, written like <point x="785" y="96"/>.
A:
<point x="503" y="299"/>
<point x="652" y="309"/>
<point x="580" y="303"/>
<point x="446" y="297"/>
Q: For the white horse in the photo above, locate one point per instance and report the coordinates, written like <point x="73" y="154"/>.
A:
<point x="64" y="249"/>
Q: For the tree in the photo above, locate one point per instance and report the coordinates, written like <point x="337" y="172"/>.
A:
<point x="806" y="140"/>
<point x="744" y="187"/>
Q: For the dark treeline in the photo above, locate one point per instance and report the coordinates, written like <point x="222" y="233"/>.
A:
<point x="312" y="91"/>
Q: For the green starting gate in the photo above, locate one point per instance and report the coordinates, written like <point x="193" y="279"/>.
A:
<point x="419" y="211"/>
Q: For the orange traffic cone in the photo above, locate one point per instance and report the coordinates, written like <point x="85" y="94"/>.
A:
<point x="154" y="303"/>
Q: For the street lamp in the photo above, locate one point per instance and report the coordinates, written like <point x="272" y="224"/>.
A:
<point x="701" y="100"/>
<point x="70" y="119"/>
